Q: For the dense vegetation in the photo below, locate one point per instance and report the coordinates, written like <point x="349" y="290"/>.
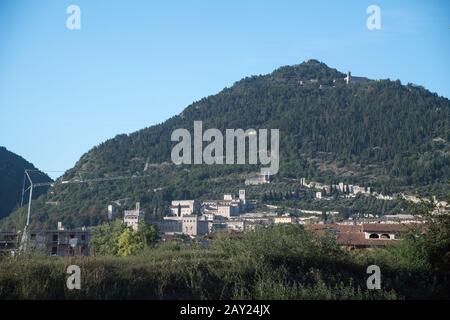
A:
<point x="115" y="238"/>
<point x="390" y="136"/>
<point x="279" y="262"/>
<point x="12" y="169"/>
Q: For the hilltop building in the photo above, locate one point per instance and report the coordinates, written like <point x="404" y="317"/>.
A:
<point x="260" y="179"/>
<point x="351" y="79"/>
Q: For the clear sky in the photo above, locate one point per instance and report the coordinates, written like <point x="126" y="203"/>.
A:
<point x="136" y="63"/>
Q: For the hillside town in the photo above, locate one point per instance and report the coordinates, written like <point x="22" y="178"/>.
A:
<point x="234" y="213"/>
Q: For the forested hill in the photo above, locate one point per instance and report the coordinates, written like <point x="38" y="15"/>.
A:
<point x="379" y="133"/>
<point x="12" y="167"/>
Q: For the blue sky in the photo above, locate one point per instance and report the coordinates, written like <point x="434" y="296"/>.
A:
<point x="136" y="63"/>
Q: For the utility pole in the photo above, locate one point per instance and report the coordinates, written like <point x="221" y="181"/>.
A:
<point x="23" y="189"/>
<point x="31" y="187"/>
<point x="30" y="198"/>
<point x="24" y="240"/>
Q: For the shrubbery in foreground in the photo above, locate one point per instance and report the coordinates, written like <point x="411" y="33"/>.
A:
<point x="279" y="262"/>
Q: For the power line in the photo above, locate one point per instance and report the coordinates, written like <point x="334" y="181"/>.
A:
<point x="64" y="182"/>
<point x="53" y="183"/>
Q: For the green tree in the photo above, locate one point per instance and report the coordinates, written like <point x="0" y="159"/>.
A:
<point x="324" y="216"/>
<point x="104" y="237"/>
<point x="129" y="242"/>
<point x="437" y="245"/>
<point x="148" y="233"/>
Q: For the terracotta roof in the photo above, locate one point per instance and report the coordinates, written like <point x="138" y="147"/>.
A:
<point x="358" y="239"/>
<point x="324" y="226"/>
<point x="349" y="228"/>
<point x="384" y="227"/>
<point x="336" y="227"/>
<point x="353" y="235"/>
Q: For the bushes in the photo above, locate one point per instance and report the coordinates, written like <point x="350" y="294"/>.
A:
<point x="115" y="239"/>
<point x="317" y="291"/>
<point x="279" y="262"/>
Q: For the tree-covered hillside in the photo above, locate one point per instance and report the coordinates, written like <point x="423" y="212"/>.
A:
<point x="12" y="169"/>
<point x="381" y="133"/>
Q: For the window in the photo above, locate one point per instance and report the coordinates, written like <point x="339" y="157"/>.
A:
<point x="54" y="251"/>
<point x="55" y="237"/>
<point x="374" y="236"/>
<point x="33" y="236"/>
<point x="385" y="236"/>
<point x="83" y="237"/>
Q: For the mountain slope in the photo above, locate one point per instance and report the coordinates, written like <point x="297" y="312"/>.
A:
<point x="379" y="133"/>
<point x="12" y="169"/>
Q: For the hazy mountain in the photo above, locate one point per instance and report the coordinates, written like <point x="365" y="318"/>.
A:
<point x="380" y="133"/>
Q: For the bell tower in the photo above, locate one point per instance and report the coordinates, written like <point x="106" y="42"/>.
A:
<point x="242" y="196"/>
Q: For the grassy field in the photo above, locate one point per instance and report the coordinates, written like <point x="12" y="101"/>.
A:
<point x="283" y="262"/>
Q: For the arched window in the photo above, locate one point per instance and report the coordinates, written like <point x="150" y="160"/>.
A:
<point x="374" y="236"/>
<point x="385" y="236"/>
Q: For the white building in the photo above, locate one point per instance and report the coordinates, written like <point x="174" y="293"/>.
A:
<point x="193" y="226"/>
<point x="228" y="207"/>
<point x="237" y="226"/>
<point x="400" y="218"/>
<point x="303" y="181"/>
<point x="314" y="212"/>
<point x="308" y="220"/>
<point x="242" y="196"/>
<point x="131" y="218"/>
<point x="358" y="189"/>
<point x="351" y="79"/>
<point x="169" y="225"/>
<point x="111" y="212"/>
<point x="383" y="197"/>
<point x="182" y="208"/>
<point x="260" y="179"/>
<point x="283" y="219"/>
<point x="227" y="210"/>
